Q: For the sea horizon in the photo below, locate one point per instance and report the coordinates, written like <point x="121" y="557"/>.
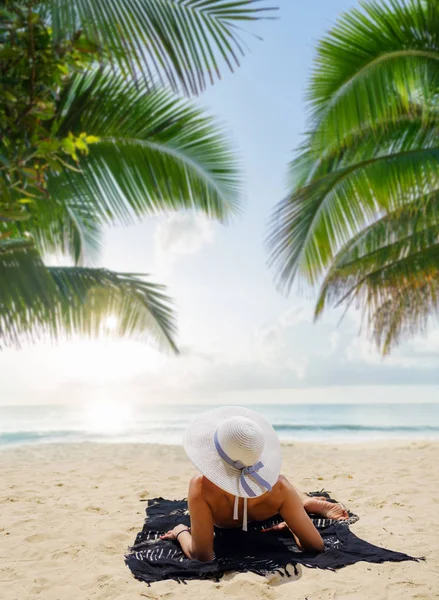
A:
<point x="165" y="423"/>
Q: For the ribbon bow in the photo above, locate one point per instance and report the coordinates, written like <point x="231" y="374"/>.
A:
<point x="251" y="471"/>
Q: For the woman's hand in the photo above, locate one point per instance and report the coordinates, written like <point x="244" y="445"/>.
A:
<point x="172" y="533"/>
<point x="278" y="527"/>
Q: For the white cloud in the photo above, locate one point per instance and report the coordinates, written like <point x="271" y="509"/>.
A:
<point x="333" y="344"/>
<point x="298" y="366"/>
<point x="361" y="349"/>
<point x="427" y="346"/>
<point x="179" y="235"/>
<point x="293" y="352"/>
<point x="419" y="353"/>
<point x="290" y="353"/>
<point x="277" y="355"/>
<point x="275" y="332"/>
<point x="297" y="314"/>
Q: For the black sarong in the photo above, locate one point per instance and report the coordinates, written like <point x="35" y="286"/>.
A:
<point x="152" y="559"/>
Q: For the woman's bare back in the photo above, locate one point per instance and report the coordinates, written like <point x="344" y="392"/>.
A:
<point x="221" y="504"/>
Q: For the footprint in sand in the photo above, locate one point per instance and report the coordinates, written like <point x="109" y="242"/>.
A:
<point x="96" y="509"/>
<point x="38" y="537"/>
<point x="246" y="585"/>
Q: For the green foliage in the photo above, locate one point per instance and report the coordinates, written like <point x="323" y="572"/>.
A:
<point x="162" y="152"/>
<point x="88" y="138"/>
<point x="181" y="43"/>
<point x="360" y="221"/>
<point x="33" y="71"/>
<point x="39" y="302"/>
<point x="151" y="152"/>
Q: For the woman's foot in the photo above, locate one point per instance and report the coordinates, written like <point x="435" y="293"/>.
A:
<point x="335" y="511"/>
<point x="318" y="505"/>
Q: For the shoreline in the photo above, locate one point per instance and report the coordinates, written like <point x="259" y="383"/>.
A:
<point x="344" y="443"/>
<point x="68" y="512"/>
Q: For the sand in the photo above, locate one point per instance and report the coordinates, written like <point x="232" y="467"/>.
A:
<point x="68" y="513"/>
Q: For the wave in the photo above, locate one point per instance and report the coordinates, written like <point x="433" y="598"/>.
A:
<point x="365" y="428"/>
<point x="173" y="434"/>
<point x="35" y="436"/>
<point x="74" y="436"/>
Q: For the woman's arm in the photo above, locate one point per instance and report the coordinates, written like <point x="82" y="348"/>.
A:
<point x="198" y="543"/>
<point x="297" y="520"/>
<point x="201" y="547"/>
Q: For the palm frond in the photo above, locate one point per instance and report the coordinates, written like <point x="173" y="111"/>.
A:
<point x="310" y="226"/>
<point x="398" y="297"/>
<point x="372" y="140"/>
<point x="406" y="231"/>
<point x="378" y="63"/>
<point x="410" y="311"/>
<point x="25" y="282"/>
<point x="87" y="297"/>
<point x="362" y="217"/>
<point x="156" y="152"/>
<point x="393" y="261"/>
<point x="67" y="228"/>
<point x="183" y="43"/>
<point x="57" y="302"/>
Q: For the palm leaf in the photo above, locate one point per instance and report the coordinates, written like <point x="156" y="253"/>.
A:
<point x="376" y="64"/>
<point x="361" y="219"/>
<point x="155" y="153"/>
<point x="405" y="232"/>
<point x="38" y="302"/>
<point x="87" y="297"/>
<point x="372" y="140"/>
<point x="310" y="226"/>
<point x="397" y="298"/>
<point x="410" y="311"/>
<point x="71" y="229"/>
<point x="389" y="270"/>
<point x="183" y="43"/>
<point x="67" y="228"/>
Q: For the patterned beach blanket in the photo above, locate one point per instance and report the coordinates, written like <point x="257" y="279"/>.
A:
<point x="151" y="559"/>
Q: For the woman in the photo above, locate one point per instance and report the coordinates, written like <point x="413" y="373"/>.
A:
<point x="239" y="457"/>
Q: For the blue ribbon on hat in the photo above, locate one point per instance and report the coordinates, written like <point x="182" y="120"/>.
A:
<point x="245" y="470"/>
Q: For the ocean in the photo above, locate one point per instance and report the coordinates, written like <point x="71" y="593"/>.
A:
<point x="164" y="424"/>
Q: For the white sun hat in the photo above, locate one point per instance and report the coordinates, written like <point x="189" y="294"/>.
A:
<point x="237" y="450"/>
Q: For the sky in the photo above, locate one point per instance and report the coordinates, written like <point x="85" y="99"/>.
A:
<point x="241" y="340"/>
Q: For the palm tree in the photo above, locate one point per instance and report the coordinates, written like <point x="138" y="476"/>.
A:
<point x="361" y="221"/>
<point x="152" y="152"/>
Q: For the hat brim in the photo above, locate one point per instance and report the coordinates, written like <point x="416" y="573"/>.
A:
<point x="200" y="447"/>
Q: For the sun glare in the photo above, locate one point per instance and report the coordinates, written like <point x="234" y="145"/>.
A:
<point x="99" y="362"/>
<point x="111" y="323"/>
<point x="107" y="417"/>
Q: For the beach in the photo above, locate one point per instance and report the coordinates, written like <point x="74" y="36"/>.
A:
<point x="68" y="512"/>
